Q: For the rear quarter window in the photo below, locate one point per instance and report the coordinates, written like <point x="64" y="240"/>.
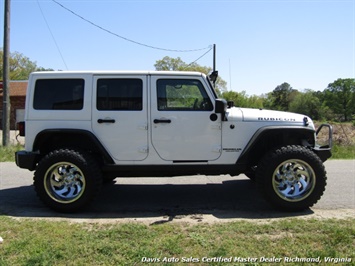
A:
<point x="59" y="94"/>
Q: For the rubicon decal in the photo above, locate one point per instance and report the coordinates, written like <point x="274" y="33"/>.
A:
<point x="277" y="119"/>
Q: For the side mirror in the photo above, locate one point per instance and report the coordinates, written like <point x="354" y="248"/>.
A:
<point x="221" y="108"/>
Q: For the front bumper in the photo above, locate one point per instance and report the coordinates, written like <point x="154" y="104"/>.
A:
<point x="324" y="151"/>
<point x="26" y="160"/>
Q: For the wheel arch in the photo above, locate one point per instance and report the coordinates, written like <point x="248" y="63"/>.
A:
<point x="50" y="139"/>
<point x="267" y="138"/>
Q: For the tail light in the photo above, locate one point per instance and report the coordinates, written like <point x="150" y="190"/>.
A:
<point x="21" y="128"/>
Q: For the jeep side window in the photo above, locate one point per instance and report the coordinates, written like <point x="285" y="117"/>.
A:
<point x="182" y="95"/>
<point x="59" y="94"/>
<point x="119" y="94"/>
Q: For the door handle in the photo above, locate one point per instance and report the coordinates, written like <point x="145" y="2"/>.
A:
<point x="157" y="121"/>
<point x="100" y="121"/>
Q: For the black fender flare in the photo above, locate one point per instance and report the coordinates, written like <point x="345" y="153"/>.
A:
<point x="263" y="134"/>
<point x="80" y="138"/>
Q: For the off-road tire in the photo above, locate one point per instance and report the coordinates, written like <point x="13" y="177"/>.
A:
<point x="66" y="180"/>
<point x="251" y="173"/>
<point x="291" y="178"/>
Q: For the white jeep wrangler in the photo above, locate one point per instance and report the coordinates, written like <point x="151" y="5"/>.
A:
<point x="83" y="128"/>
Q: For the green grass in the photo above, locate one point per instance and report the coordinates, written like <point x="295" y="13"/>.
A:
<point x="40" y="242"/>
<point x="7" y="154"/>
<point x="343" y="152"/>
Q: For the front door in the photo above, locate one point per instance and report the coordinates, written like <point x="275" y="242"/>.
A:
<point x="120" y="115"/>
<point x="183" y="124"/>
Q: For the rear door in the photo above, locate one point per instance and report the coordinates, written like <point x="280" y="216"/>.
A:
<point x="119" y="116"/>
<point x="184" y="125"/>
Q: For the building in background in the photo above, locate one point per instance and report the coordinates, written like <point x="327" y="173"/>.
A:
<point x="17" y="99"/>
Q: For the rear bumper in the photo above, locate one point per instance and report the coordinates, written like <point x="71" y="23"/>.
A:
<point x="26" y="160"/>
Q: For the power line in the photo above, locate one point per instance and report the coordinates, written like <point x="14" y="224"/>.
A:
<point x="199" y="58"/>
<point x="50" y="31"/>
<point x="124" y="38"/>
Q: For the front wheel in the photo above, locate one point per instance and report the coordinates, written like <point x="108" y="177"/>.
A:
<point x="291" y="178"/>
<point x="67" y="180"/>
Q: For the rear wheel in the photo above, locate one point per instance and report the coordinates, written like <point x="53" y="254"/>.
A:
<point x="66" y="180"/>
<point x="291" y="178"/>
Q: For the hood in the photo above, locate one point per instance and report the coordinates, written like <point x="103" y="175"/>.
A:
<point x="268" y="116"/>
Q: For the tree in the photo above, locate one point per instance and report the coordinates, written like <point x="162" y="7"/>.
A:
<point x="340" y="97"/>
<point x="282" y="96"/>
<point x="20" y="66"/>
<point x="170" y="64"/>
<point x="241" y="99"/>
<point x="176" y="64"/>
<point x="309" y="104"/>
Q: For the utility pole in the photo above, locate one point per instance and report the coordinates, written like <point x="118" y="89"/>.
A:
<point x="6" y="80"/>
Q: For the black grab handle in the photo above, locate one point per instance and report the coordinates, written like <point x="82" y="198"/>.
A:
<point x="157" y="121"/>
<point x="100" y="121"/>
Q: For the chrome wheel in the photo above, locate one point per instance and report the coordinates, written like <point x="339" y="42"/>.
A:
<point x="64" y="182"/>
<point x="293" y="180"/>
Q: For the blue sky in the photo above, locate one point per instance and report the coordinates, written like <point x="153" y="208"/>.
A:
<point x="260" y="44"/>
